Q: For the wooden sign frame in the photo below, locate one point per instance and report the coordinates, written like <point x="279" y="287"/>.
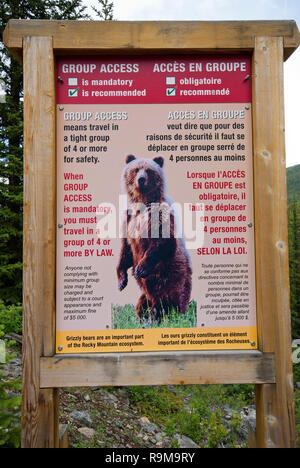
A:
<point x="37" y="43"/>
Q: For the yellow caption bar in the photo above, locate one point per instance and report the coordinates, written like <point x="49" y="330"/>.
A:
<point x="157" y="339"/>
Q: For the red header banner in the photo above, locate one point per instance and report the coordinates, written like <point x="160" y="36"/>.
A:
<point x="141" y="80"/>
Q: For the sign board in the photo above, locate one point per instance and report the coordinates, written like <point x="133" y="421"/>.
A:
<point x="188" y="117"/>
<point x="191" y="114"/>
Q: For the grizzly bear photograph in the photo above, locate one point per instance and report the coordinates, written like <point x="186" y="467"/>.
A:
<point x="158" y="257"/>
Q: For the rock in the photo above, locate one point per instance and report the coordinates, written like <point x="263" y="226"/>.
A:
<point x="15" y="362"/>
<point x="147" y="425"/>
<point x="172" y="388"/>
<point x="144" y="420"/>
<point x="185" y="442"/>
<point x="87" y="432"/>
<point x="87" y="397"/>
<point x="82" y="417"/>
<point x="151" y="428"/>
<point x="248" y="416"/>
<point x="109" y="398"/>
<point x="298" y="385"/>
<point x="13" y="368"/>
<point x="228" y="412"/>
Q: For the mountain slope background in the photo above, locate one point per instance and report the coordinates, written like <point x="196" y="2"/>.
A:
<point x="293" y="183"/>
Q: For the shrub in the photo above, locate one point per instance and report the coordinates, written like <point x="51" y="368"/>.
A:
<point x="11" y="318"/>
<point x="10" y="402"/>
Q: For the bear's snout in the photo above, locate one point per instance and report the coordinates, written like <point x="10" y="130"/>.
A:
<point x="141" y="180"/>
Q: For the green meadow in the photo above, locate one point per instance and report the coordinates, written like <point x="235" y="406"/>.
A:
<point x="125" y="317"/>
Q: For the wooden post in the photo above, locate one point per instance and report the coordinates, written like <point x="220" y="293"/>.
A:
<point x="43" y="372"/>
<point x="39" y="407"/>
<point x="275" y="402"/>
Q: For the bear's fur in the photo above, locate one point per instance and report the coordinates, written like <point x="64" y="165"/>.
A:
<point x="161" y="263"/>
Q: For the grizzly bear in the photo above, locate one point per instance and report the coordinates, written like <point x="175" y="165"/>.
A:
<point x="160" y="261"/>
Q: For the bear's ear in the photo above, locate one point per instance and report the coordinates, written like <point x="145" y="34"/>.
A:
<point x="129" y="158"/>
<point x="159" y="160"/>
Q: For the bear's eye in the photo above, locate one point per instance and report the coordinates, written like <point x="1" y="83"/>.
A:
<point x="136" y="170"/>
<point x="148" y="171"/>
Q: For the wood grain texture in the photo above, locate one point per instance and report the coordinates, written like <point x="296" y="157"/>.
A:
<point x="130" y="37"/>
<point x="157" y="369"/>
<point x="270" y="369"/>
<point x="38" y="408"/>
<point x="276" y="402"/>
<point x="251" y="436"/>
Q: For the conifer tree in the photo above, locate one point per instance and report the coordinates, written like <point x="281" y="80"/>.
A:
<point x="294" y="259"/>
<point x="106" y="10"/>
<point x="11" y="138"/>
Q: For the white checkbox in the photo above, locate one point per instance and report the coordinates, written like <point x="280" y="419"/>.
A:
<point x="170" y="80"/>
<point x="73" y="81"/>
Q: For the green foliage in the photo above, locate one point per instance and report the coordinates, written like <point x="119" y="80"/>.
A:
<point x="238" y="395"/>
<point x="297" y="405"/>
<point x="10" y="403"/>
<point x="296" y="371"/>
<point x="125" y="318"/>
<point x="11" y="192"/>
<point x="106" y="10"/>
<point x="11" y="139"/>
<point x="293" y="188"/>
<point x="293" y="183"/>
<point x="294" y="261"/>
<point x="11" y="180"/>
<point x="194" y="411"/>
<point x="11" y="318"/>
<point x="158" y="403"/>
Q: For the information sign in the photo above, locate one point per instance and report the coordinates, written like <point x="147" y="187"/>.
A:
<point x="155" y="178"/>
